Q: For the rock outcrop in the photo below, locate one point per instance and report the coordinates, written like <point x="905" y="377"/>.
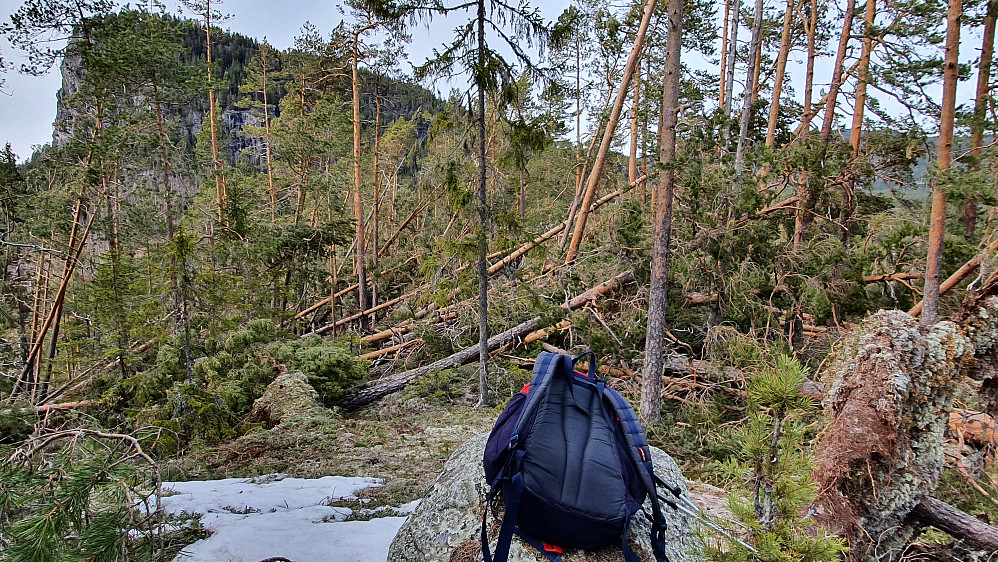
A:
<point x="447" y="524"/>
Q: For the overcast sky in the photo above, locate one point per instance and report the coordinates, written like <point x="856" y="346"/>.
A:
<point x="27" y="104"/>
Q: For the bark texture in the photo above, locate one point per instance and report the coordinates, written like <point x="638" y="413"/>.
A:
<point x="889" y="400"/>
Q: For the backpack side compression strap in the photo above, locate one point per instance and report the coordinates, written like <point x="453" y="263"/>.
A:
<point x="637" y="446"/>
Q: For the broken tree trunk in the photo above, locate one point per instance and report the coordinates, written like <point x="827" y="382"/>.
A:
<point x="387" y="385"/>
<point x="881" y="453"/>
<point x="973" y="532"/>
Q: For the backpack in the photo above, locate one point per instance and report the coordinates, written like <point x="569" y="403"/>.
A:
<point x="571" y="462"/>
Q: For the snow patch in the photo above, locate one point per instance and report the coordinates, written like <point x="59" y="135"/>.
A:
<point x="274" y="515"/>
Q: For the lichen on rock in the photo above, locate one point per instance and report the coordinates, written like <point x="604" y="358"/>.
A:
<point x="447" y="524"/>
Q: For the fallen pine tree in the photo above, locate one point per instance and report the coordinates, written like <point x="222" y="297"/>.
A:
<point x="393" y="383"/>
<point x="881" y="453"/>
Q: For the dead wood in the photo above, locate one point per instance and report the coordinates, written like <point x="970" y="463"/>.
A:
<point x="376" y="389"/>
<point x="385" y="351"/>
<point x="973" y="532"/>
<point x="881" y="453"/>
<point x="958" y="275"/>
<point x="514" y="336"/>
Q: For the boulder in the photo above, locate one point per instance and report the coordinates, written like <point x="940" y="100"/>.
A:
<point x="447" y="524"/>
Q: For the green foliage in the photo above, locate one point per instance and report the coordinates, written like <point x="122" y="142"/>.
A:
<point x="85" y="486"/>
<point x="16" y="422"/>
<point x="772" y="467"/>
<point x="331" y="370"/>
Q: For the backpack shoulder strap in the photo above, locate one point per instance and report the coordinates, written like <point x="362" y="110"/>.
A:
<point x="547" y="366"/>
<point x="637" y="446"/>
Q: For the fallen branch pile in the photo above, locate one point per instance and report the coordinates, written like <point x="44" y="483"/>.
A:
<point x="515" y="335"/>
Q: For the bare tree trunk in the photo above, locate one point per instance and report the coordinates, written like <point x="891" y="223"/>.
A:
<point x="594" y="174"/>
<point x="743" y="123"/>
<point x="969" y="218"/>
<point x="732" y="55"/>
<point x="632" y="161"/>
<point x="266" y="126"/>
<point x="856" y="133"/>
<point x="216" y="162"/>
<point x="724" y="55"/>
<point x="651" y="383"/>
<point x="812" y="31"/>
<point x="837" y="78"/>
<point x="937" y="220"/>
<point x="360" y="255"/>
<point x="781" y="67"/>
<point x="485" y="226"/>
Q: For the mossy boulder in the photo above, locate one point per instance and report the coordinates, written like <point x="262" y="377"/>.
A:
<point x="289" y="395"/>
<point x="447" y="524"/>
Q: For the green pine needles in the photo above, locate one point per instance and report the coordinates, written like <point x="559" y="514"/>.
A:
<point x="771" y="473"/>
<point x="78" y="495"/>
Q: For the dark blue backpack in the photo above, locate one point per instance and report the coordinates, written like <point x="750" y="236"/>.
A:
<point x="572" y="464"/>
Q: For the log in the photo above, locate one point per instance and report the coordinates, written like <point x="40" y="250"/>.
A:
<point x="958" y="275"/>
<point x="376" y="389"/>
<point x="973" y="532"/>
<point x="387" y="350"/>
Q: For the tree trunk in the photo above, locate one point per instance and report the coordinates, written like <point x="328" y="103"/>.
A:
<point x="969" y="218"/>
<point x="812" y="31"/>
<point x="743" y="122"/>
<point x="266" y="145"/>
<point x="387" y="385"/>
<point x="856" y="133"/>
<point x="597" y="169"/>
<point x="360" y="255"/>
<point x="732" y="55"/>
<point x="724" y="55"/>
<point x="651" y="384"/>
<point x="483" y="235"/>
<point x="632" y="161"/>
<point x="937" y="220"/>
<point x="837" y="78"/>
<point x="968" y="529"/>
<point x="216" y="162"/>
<point x="781" y="67"/>
<point x="376" y="229"/>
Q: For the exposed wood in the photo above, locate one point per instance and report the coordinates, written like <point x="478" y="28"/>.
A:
<point x="597" y="170"/>
<point x="973" y="532"/>
<point x="385" y="351"/>
<point x="545" y="332"/>
<point x="958" y="275"/>
<point x="387" y="385"/>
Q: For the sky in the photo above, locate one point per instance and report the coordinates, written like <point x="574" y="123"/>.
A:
<point x="28" y="104"/>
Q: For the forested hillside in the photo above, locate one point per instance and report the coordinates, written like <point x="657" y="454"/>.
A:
<point x="214" y="213"/>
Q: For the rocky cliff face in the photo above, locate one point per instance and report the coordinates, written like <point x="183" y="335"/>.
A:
<point x="186" y="120"/>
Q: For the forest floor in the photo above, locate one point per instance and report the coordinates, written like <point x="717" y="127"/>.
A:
<point x="403" y="440"/>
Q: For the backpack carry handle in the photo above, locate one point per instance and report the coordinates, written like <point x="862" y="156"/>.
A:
<point x="592" y="362"/>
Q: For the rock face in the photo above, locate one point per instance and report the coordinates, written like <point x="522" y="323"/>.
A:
<point x="447" y="524"/>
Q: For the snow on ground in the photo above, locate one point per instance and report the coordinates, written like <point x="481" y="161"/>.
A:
<point x="269" y="516"/>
